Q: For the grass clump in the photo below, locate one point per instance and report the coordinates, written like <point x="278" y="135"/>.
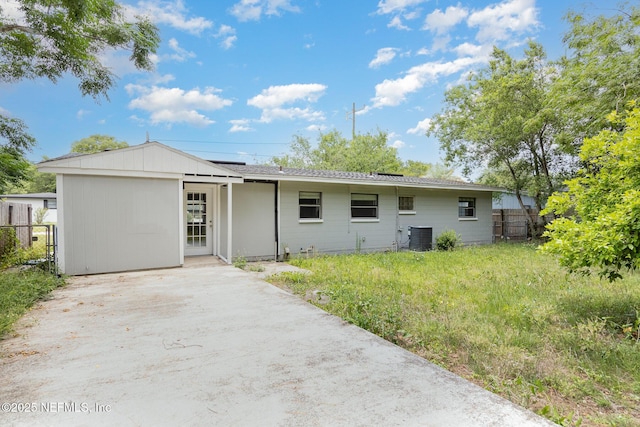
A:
<point x="19" y="290"/>
<point x="504" y="316"/>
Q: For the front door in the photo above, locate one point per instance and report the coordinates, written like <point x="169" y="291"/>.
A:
<point x="199" y="221"/>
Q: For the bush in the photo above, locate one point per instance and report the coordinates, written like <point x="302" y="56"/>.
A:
<point x="39" y="215"/>
<point x="448" y="240"/>
<point x="8" y="247"/>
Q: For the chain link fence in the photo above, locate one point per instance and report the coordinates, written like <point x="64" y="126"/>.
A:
<point x="34" y="245"/>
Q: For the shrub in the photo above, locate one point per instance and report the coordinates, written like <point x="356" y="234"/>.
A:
<point x="8" y="247"/>
<point x="39" y="215"/>
<point x="448" y="240"/>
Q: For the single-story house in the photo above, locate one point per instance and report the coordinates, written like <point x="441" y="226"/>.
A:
<point x="150" y="206"/>
<point x="37" y="201"/>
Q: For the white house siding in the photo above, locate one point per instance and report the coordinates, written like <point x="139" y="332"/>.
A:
<point x="254" y="218"/>
<point x="118" y="223"/>
<point x="50" y="217"/>
<point x="338" y="233"/>
<point x="439" y="209"/>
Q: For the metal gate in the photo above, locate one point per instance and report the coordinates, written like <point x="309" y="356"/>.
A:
<point x="29" y="245"/>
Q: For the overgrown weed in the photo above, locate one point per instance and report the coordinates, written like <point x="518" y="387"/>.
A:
<point x="505" y="316"/>
<point x="19" y="290"/>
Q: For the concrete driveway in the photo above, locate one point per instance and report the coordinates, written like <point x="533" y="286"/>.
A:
<point x="209" y="344"/>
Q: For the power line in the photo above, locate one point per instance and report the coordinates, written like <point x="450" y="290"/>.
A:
<point x="221" y="142"/>
<point x="230" y="154"/>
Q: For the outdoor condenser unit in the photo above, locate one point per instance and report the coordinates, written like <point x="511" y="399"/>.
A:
<point x="420" y="238"/>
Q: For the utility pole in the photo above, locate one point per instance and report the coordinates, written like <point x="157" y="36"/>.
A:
<point x="353" y="119"/>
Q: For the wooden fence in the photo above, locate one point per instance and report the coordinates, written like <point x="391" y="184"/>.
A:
<point x="512" y="224"/>
<point x="17" y="214"/>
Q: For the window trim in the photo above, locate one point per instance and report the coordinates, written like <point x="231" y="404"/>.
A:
<point x="407" y="211"/>
<point x="474" y="207"/>
<point x="375" y="218"/>
<point x="308" y="205"/>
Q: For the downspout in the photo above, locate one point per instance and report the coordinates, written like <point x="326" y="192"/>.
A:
<point x="397" y="241"/>
<point x="276" y="201"/>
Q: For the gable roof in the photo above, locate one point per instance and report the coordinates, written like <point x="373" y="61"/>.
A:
<point x="265" y="172"/>
<point x="153" y="159"/>
<point x="150" y="159"/>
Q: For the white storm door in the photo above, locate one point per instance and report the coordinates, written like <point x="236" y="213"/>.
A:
<point x="199" y="221"/>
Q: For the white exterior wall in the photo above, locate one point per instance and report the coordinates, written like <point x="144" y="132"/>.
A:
<point x="439" y="209"/>
<point x="254" y="217"/>
<point x="117" y="223"/>
<point x="50" y="217"/>
<point x="337" y="232"/>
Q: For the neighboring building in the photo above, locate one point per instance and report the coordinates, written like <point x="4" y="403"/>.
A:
<point x="508" y="200"/>
<point x="37" y="201"/>
<point x="149" y="206"/>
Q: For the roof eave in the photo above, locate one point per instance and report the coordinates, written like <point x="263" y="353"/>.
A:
<point x="365" y="181"/>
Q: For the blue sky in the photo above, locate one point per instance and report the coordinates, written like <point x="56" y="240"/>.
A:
<point x="236" y="80"/>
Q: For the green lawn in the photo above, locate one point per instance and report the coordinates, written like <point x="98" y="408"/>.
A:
<point x="503" y="316"/>
<point x="19" y="290"/>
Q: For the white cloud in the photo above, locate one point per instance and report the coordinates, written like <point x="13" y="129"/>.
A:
<point x="397" y="144"/>
<point x="228" y="36"/>
<point x="440" y="22"/>
<point x="240" y="125"/>
<point x="477" y="51"/>
<point x="395" y="6"/>
<point x="252" y="10"/>
<point x="175" y="105"/>
<point x="119" y="63"/>
<point x="276" y="96"/>
<point x="394" y="92"/>
<point x="172" y="13"/>
<point x="500" y="21"/>
<point x="81" y="113"/>
<point x="307" y="114"/>
<point x="440" y="43"/>
<point x="396" y="22"/>
<point x="421" y="128"/>
<point x="383" y="56"/>
<point x="316" y="128"/>
<point x="272" y="100"/>
<point x="179" y="54"/>
<point x="11" y="11"/>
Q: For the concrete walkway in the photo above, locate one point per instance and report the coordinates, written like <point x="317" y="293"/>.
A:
<point x="209" y="344"/>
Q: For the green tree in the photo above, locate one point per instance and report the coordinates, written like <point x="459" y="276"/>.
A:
<point x="601" y="73"/>
<point x="500" y="120"/>
<point x="53" y="38"/>
<point x="600" y="226"/>
<point x="364" y="153"/>
<point x="96" y="143"/>
<point x="17" y="141"/>
<point x="33" y="181"/>
<point x="56" y="37"/>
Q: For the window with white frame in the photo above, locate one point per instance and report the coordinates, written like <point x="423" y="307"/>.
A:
<point x="310" y="204"/>
<point x="467" y="207"/>
<point x="405" y="203"/>
<point x="364" y="206"/>
<point x="50" y="203"/>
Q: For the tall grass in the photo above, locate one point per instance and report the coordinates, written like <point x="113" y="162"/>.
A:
<point x="19" y="290"/>
<point x="503" y="316"/>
